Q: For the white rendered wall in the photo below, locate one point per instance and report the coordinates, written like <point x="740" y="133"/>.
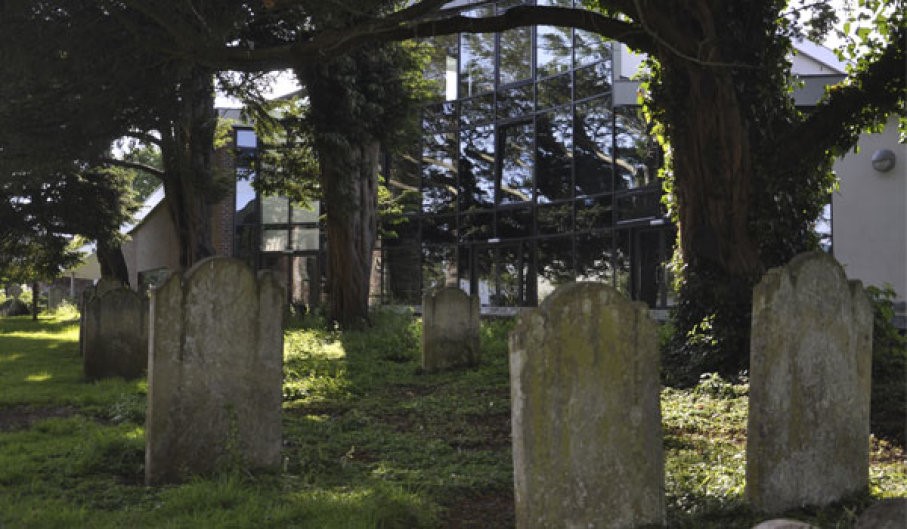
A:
<point x="869" y="214"/>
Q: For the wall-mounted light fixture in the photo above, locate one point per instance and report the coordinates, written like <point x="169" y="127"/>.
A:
<point x="883" y="160"/>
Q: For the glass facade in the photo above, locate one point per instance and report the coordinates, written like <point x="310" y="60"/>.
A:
<point x="527" y="176"/>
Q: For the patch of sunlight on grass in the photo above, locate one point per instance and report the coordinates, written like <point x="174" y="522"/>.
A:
<point x="43" y="376"/>
<point x="10" y="357"/>
<point x="135" y="434"/>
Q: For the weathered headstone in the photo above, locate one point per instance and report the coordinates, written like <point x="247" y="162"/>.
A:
<point x="214" y="371"/>
<point x="587" y="438"/>
<point x="781" y="523"/>
<point x="114" y="335"/>
<point x="810" y="369"/>
<point x="450" y="329"/>
<point x="54" y="297"/>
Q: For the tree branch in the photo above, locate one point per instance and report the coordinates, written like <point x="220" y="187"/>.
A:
<point x="873" y="93"/>
<point x="331" y="43"/>
<point x="144" y="137"/>
<point x="133" y="165"/>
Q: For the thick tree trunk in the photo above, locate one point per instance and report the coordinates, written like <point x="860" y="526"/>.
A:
<point x="187" y="148"/>
<point x="112" y="262"/>
<point x="350" y="185"/>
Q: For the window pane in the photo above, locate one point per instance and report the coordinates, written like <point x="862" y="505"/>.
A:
<point x="554" y="91"/>
<point x="275" y="240"/>
<point x="593" y="148"/>
<point x="513" y="265"/>
<point x="476" y="58"/>
<point x="554" y="155"/>
<point x="516" y="55"/>
<point x="275" y="210"/>
<point x="642" y="205"/>
<point x="590" y="48"/>
<point x="477" y="110"/>
<point x="438" y="266"/>
<point x="516" y="164"/>
<point x="477" y="167"/>
<point x="638" y="154"/>
<point x="305" y="239"/>
<point x="476" y="226"/>
<point x="440" y="229"/>
<point x="595" y="257"/>
<point x="439" y="177"/>
<point x="555" y="218"/>
<point x="515" y="102"/>
<point x="554" y="50"/>
<point x="440" y="117"/>
<point x="308" y="214"/>
<point x="514" y="223"/>
<point x="402" y="272"/>
<point x="245" y="139"/>
<point x="555" y="264"/>
<point x="593" y="80"/>
<point x="594" y="213"/>
<point x="442" y="66"/>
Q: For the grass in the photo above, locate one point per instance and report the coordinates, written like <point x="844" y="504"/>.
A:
<point x="369" y="441"/>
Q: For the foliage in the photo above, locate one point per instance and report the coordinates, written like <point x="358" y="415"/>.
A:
<point x="889" y="369"/>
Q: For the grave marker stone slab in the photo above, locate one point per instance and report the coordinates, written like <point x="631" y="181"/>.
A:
<point x="113" y="335"/>
<point x="450" y="329"/>
<point x="214" y="371"/>
<point x="810" y="372"/>
<point x="587" y="437"/>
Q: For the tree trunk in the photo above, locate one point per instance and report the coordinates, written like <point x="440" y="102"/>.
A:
<point x="34" y="300"/>
<point x="186" y="150"/>
<point x="350" y="183"/>
<point x="111" y="260"/>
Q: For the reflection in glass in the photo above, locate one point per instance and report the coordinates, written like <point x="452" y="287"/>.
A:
<point x="638" y="154"/>
<point x="305" y="239"/>
<point x="516" y="163"/>
<point x="275" y="240"/>
<point x="305" y="214"/>
<point x="440" y="117"/>
<point x="442" y="65"/>
<point x="594" y="257"/>
<point x="477" y="167"/>
<point x="823" y="228"/>
<point x="555" y="218"/>
<point x="476" y="226"/>
<point x="477" y="58"/>
<point x="514" y="223"/>
<point x="438" y="266"/>
<point x="635" y="206"/>
<point x="515" y="102"/>
<point x="555" y="264"/>
<point x="439" y="174"/>
<point x="476" y="110"/>
<point x="275" y="210"/>
<point x="516" y="50"/>
<point x="554" y="47"/>
<point x="592" y="81"/>
<point x="439" y="229"/>
<point x="594" y="212"/>
<point x="245" y="201"/>
<point x="591" y="47"/>
<point x="513" y="270"/>
<point x="246" y="139"/>
<point x="593" y="148"/>
<point x="554" y="155"/>
<point x="554" y="91"/>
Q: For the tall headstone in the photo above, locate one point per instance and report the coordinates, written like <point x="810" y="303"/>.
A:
<point x="587" y="438"/>
<point x="810" y="371"/>
<point x="114" y="334"/>
<point x="214" y="371"/>
<point x="450" y="329"/>
<point x="54" y="297"/>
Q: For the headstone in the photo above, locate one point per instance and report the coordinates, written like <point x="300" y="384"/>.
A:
<point x="214" y="371"/>
<point x="106" y="284"/>
<point x="54" y="297"/>
<point x="114" y="335"/>
<point x="450" y="329"/>
<point x="810" y="369"/>
<point x="890" y="513"/>
<point x="587" y="438"/>
<point x="13" y="290"/>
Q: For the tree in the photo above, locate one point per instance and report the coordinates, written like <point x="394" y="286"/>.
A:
<point x="749" y="171"/>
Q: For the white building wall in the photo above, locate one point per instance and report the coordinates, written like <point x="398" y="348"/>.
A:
<point x="869" y="214"/>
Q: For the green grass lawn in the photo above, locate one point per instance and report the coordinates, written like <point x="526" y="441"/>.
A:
<point x="369" y="442"/>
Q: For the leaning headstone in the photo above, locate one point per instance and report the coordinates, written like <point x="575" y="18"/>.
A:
<point x="781" y="523"/>
<point x="889" y="513"/>
<point x="450" y="329"/>
<point x="810" y="369"/>
<point x="214" y="372"/>
<point x="114" y="335"/>
<point x="587" y="438"/>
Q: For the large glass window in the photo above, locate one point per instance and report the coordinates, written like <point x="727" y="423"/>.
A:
<point x="638" y="154"/>
<point x="439" y="172"/>
<point x="516" y="50"/>
<point x="554" y="45"/>
<point x="516" y="163"/>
